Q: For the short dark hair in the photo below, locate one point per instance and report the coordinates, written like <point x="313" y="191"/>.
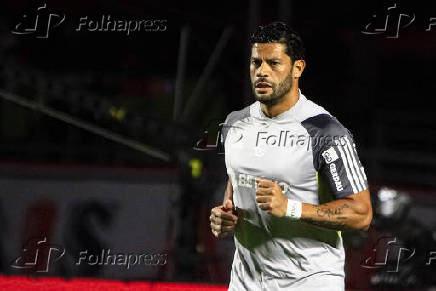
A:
<point x="280" y="32"/>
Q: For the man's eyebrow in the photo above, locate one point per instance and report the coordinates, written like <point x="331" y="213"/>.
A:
<point x="268" y="60"/>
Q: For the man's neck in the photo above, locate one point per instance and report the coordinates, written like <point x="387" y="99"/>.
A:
<point x="289" y="100"/>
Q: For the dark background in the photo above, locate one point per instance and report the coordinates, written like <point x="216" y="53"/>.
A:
<point x="380" y="87"/>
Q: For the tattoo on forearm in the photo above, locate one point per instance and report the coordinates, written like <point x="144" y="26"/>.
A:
<point x="331" y="213"/>
<point x="336" y="218"/>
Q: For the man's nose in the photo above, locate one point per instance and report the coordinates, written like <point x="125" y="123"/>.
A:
<point x="263" y="70"/>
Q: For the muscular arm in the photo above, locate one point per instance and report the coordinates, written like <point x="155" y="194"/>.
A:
<point x="353" y="212"/>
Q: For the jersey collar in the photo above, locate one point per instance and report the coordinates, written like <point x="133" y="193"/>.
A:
<point x="286" y="115"/>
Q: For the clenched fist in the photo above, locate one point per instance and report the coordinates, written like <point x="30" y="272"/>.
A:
<point x="270" y="198"/>
<point x="223" y="219"/>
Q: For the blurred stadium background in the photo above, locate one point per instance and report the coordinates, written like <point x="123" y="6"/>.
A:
<point x="97" y="135"/>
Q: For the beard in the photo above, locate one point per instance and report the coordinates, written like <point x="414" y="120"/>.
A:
<point x="278" y="90"/>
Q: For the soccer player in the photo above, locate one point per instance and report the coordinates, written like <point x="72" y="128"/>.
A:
<point x="295" y="179"/>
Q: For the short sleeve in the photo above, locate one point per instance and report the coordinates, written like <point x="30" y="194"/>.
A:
<point x="340" y="165"/>
<point x="335" y="156"/>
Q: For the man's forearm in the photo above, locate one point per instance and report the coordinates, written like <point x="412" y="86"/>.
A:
<point x="341" y="214"/>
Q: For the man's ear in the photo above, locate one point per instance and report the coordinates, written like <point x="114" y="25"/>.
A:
<point x="298" y="68"/>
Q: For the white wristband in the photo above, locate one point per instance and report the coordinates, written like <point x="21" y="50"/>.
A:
<point x="294" y="209"/>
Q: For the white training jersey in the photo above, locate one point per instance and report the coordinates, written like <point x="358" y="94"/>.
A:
<point x="314" y="160"/>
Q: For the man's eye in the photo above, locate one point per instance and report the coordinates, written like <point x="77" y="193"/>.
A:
<point x="256" y="63"/>
<point x="275" y="63"/>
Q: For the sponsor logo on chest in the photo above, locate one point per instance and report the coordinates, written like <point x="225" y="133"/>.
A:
<point x="249" y="181"/>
